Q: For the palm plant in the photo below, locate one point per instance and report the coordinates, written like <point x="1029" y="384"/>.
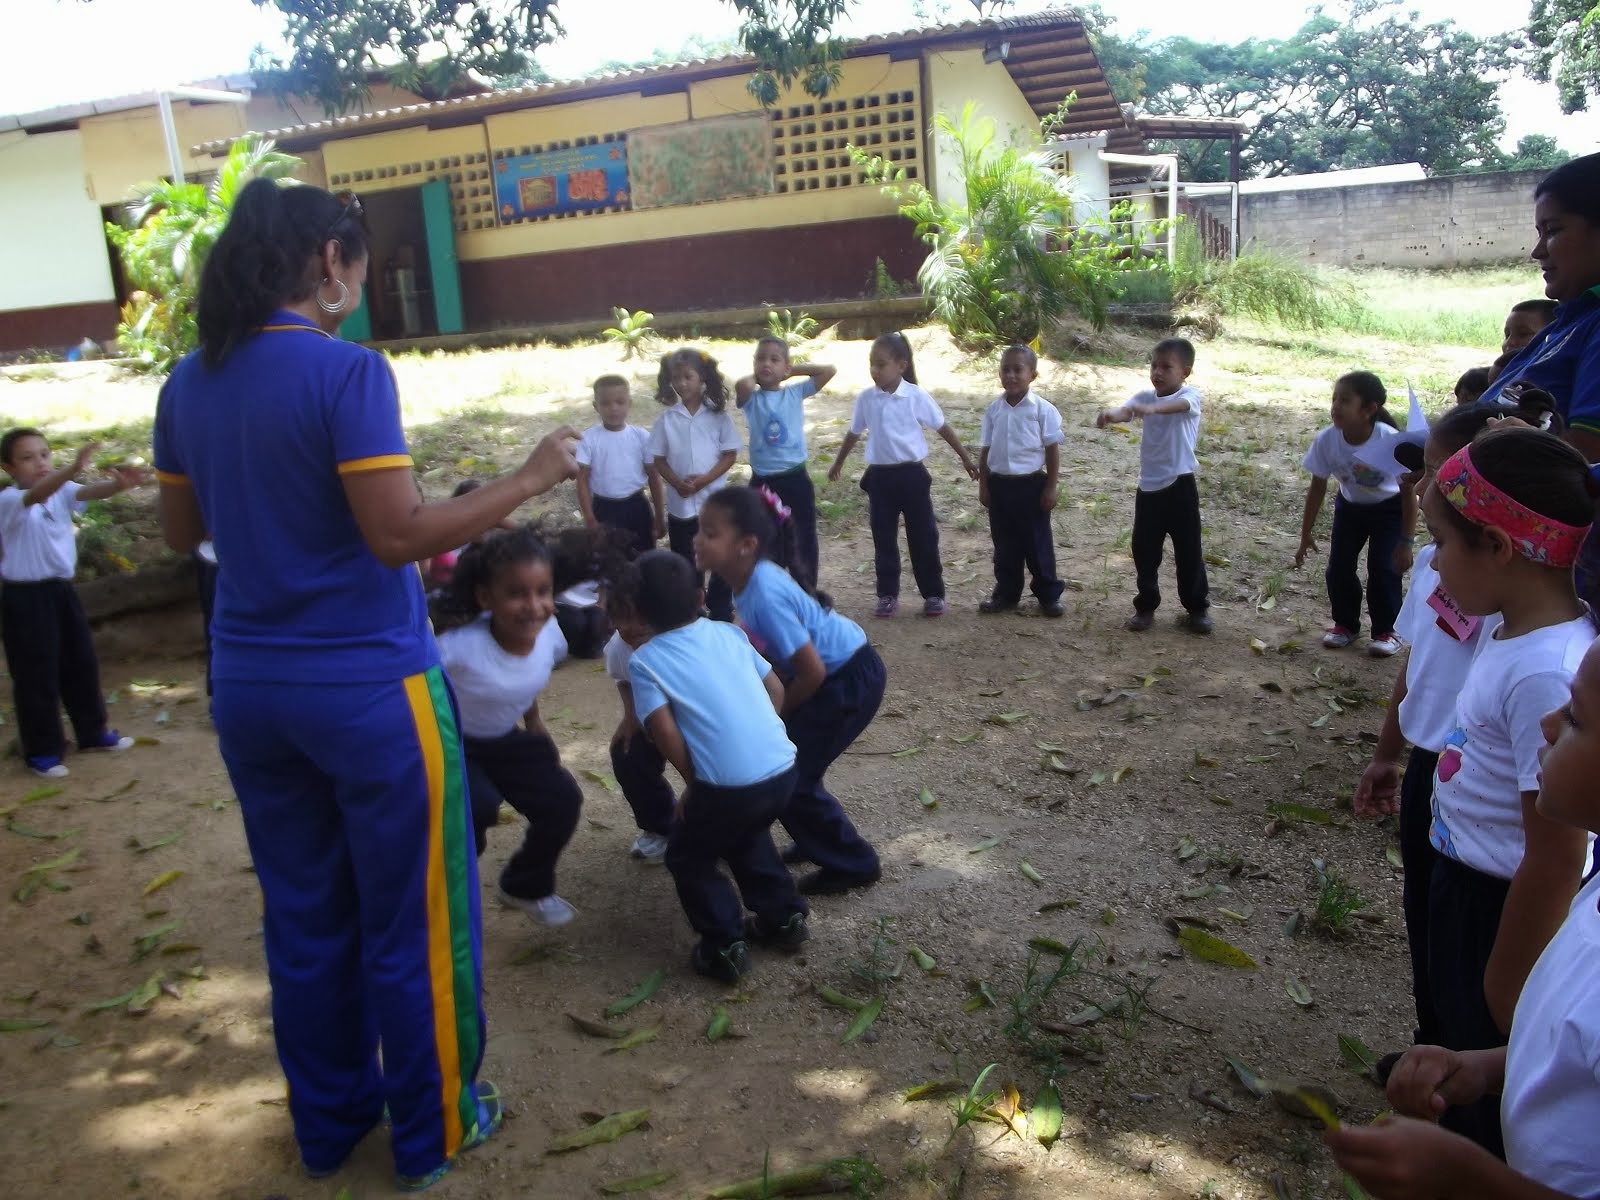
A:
<point x="1011" y="258"/>
<point x="174" y="225"/>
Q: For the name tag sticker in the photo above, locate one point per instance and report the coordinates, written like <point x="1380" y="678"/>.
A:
<point x="1450" y="618"/>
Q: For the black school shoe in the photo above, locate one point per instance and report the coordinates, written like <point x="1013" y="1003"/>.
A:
<point x="1198" y="622"/>
<point x="1139" y="622"/>
<point x="826" y="882"/>
<point x="788" y="937"/>
<point x="991" y="606"/>
<point x="1052" y="608"/>
<point x="726" y="965"/>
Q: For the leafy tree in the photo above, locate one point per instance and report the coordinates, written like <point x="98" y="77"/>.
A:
<point x="1534" y="152"/>
<point x="1004" y="262"/>
<point x="175" y="224"/>
<point x="430" y="46"/>
<point x="1362" y="85"/>
<point x="1566" y="40"/>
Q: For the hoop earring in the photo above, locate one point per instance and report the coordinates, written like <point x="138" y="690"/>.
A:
<point x="339" y="304"/>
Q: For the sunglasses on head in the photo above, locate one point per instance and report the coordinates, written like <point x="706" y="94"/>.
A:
<point x="349" y="206"/>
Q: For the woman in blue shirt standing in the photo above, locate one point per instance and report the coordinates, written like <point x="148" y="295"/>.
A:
<point x="339" y="732"/>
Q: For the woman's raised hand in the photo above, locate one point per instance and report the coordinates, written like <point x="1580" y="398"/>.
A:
<point x="551" y="462"/>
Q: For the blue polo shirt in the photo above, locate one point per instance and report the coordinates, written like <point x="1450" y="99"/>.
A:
<point x="265" y="441"/>
<point x="712" y="678"/>
<point x="780" y="618"/>
<point x="1564" y="360"/>
<point x="777" y="421"/>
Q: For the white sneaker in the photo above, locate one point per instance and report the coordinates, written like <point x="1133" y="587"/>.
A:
<point x="548" y="910"/>
<point x="652" y="847"/>
<point x="1337" y="637"/>
<point x="54" y="771"/>
<point x="1386" y="646"/>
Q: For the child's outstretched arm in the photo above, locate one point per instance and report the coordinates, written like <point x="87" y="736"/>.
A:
<point x="954" y="442"/>
<point x="849" y="444"/>
<point x="1308" y="519"/>
<point x="1536" y="904"/>
<point x="820" y="374"/>
<point x="61" y="476"/>
<point x="1404" y="1159"/>
<point x="123" y="479"/>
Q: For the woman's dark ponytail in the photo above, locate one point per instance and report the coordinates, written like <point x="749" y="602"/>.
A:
<point x="264" y="256"/>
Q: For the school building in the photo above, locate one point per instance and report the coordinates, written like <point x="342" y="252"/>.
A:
<point x="668" y="188"/>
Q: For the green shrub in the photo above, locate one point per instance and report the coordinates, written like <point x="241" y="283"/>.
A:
<point x="632" y="332"/>
<point x="795" y="330"/>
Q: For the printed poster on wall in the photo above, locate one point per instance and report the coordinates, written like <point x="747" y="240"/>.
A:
<point x="577" y="179"/>
<point x="696" y="161"/>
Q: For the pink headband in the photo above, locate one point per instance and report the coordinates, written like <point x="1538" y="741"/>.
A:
<point x="1536" y="537"/>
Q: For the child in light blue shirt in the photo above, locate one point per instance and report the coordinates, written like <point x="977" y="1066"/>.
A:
<point x="776" y="415"/>
<point x="709" y="703"/>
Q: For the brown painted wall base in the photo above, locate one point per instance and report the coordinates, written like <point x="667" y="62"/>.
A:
<point x="58" y="327"/>
<point x="797" y="265"/>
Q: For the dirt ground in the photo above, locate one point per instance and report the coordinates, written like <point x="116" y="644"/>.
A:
<point x="1132" y="774"/>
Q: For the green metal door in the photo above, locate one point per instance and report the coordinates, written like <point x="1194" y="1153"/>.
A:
<point x="440" y="231"/>
<point x="357" y="327"/>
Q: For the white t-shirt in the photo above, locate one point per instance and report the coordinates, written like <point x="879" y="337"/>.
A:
<point x="1166" y="448"/>
<point x="493" y="687"/>
<point x="1016" y="434"/>
<point x="691" y="444"/>
<point x="618" y="654"/>
<point x="1438" y="664"/>
<point x="894" y="422"/>
<point x="1331" y="457"/>
<point x="1492" y="755"/>
<point x="39" y="541"/>
<point x="616" y="459"/>
<point x="1550" y="1107"/>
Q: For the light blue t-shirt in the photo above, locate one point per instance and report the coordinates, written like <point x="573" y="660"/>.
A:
<point x="780" y="619"/>
<point x="777" y="421"/>
<point x="712" y="677"/>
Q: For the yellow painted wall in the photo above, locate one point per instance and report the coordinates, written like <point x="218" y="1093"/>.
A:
<point x="728" y="93"/>
<point x="123" y="151"/>
<point x="583" y="118"/>
<point x="51" y="238"/>
<point x="398" y="149"/>
<point x="954" y="78"/>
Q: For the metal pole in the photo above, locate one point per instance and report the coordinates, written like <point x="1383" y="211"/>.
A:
<point x="1172" y="209"/>
<point x="1233" y="220"/>
<point x="169" y="133"/>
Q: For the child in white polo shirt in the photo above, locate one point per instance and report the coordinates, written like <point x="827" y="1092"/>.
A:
<point x="49" y="650"/>
<point x="1019" y="462"/>
<point x="1167" y="503"/>
<point x="692" y="445"/>
<point x="614" y="468"/>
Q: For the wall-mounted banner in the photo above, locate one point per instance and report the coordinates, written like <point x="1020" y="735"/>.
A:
<point x="690" y="163"/>
<point x="577" y="179"/>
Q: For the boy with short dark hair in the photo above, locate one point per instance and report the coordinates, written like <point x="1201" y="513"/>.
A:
<point x="1167" y="503"/>
<point x="614" y="468"/>
<point x="49" y="649"/>
<point x="710" y="704"/>
<point x="1019" y="465"/>
<point x="1524" y="323"/>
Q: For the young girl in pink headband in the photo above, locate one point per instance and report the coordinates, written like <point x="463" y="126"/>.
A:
<point x="1508" y="513"/>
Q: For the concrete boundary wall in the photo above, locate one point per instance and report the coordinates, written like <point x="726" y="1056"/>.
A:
<point x="1447" y="221"/>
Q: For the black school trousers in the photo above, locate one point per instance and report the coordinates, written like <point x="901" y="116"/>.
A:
<point x="1021" y="533"/>
<point x="680" y="539"/>
<point x="795" y="489"/>
<point x="1377" y="527"/>
<point x="50" y="655"/>
<point x="893" y="491"/>
<point x="822" y="729"/>
<point x="1171" y="512"/>
<point x="732" y="825"/>
<point x="524" y="769"/>
<point x="642" y="775"/>
<point x="631" y="516"/>
<point x="1464" y="907"/>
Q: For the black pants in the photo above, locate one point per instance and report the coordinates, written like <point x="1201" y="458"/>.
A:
<point x="1377" y="527"/>
<point x="822" y="729"/>
<point x="1020" y="531"/>
<point x="1464" y="909"/>
<point x="50" y="654"/>
<point x="794" y="488"/>
<point x="1173" y="511"/>
<point x="205" y="578"/>
<point x="630" y="515"/>
<point x="904" y="489"/>
<point x="732" y="825"/>
<point x="525" y="770"/>
<point x="642" y="775"/>
<point x="585" y="628"/>
<point x="680" y="538"/>
<point x="1416" y="861"/>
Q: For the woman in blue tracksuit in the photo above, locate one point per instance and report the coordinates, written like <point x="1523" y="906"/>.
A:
<point x="338" y="729"/>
